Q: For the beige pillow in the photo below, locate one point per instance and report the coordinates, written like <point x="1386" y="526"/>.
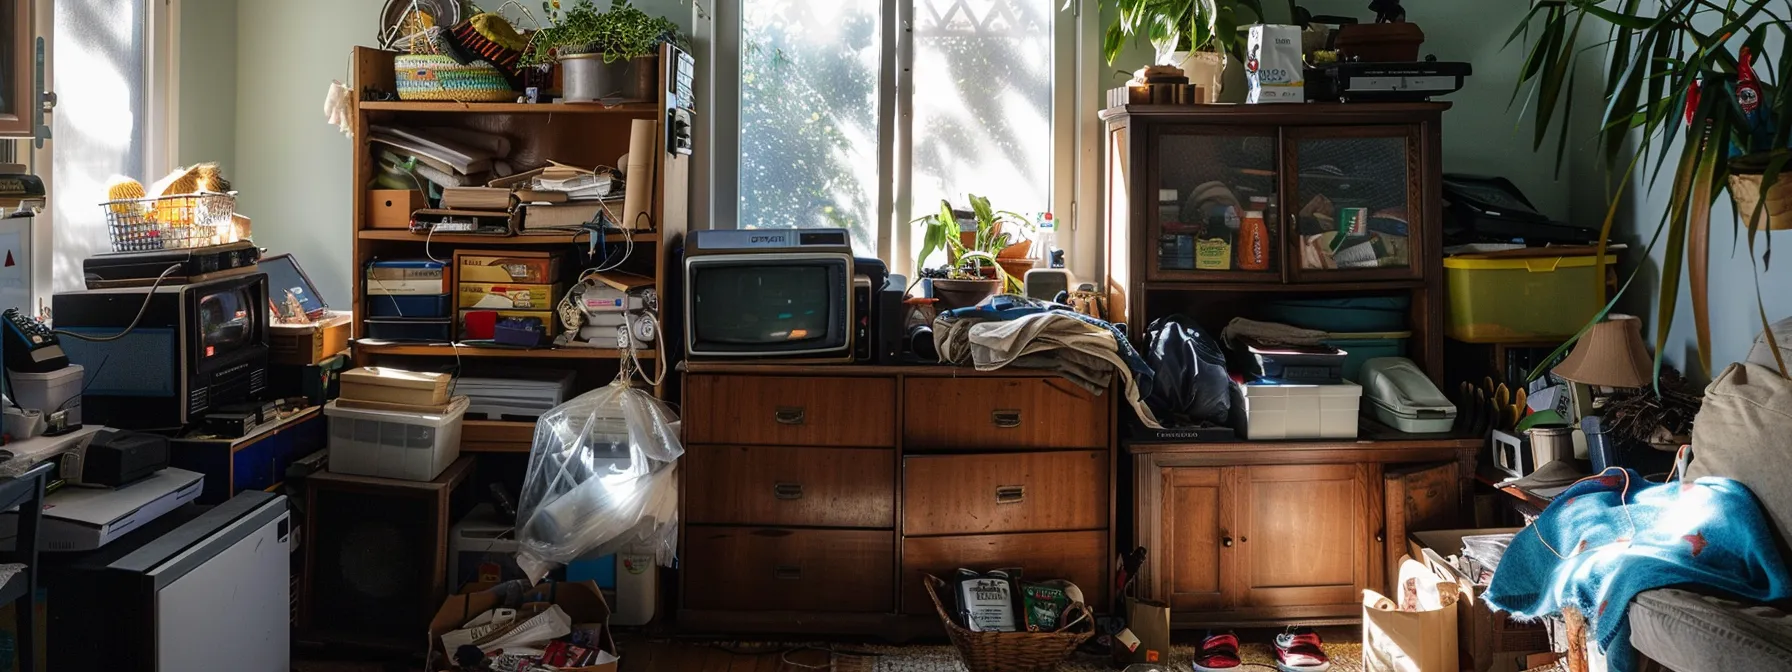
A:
<point x="1744" y="432"/>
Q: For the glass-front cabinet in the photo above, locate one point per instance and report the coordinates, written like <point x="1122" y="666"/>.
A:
<point x="16" y="65"/>
<point x="1253" y="200"/>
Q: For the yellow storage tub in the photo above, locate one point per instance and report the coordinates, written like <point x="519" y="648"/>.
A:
<point x="1514" y="300"/>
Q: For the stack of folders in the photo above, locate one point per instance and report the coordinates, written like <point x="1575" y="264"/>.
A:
<point x="517" y="395"/>
<point x="559" y="199"/>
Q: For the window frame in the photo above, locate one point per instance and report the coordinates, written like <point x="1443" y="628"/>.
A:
<point x="1075" y="126"/>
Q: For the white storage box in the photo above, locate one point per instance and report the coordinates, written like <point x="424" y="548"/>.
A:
<point x="1268" y="411"/>
<point x="48" y="392"/>
<point x="388" y="444"/>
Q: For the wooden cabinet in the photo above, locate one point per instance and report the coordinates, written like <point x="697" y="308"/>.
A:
<point x="1349" y="196"/>
<point x="817" y="498"/>
<point x="1243" y="533"/>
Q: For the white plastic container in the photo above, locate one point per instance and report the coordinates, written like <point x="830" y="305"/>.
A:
<point x="47" y="392"/>
<point x="405" y="446"/>
<point x="1403" y="398"/>
<point x="1268" y="411"/>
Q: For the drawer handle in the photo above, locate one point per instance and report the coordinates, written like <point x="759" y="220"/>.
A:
<point x="789" y="415"/>
<point x="1006" y="418"/>
<point x="1381" y="536"/>
<point x="1011" y="494"/>
<point x="1226" y="541"/>
<point x="787" y="490"/>
<point x="787" y="573"/>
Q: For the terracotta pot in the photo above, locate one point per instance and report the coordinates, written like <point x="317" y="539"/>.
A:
<point x="1017" y="267"/>
<point x="955" y="294"/>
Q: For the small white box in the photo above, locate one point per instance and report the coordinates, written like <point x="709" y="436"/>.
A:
<point x="49" y="392"/>
<point x="1269" y="411"/>
<point x="390" y="444"/>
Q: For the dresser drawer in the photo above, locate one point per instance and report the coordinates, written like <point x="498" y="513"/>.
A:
<point x="993" y="413"/>
<point x="780" y="485"/>
<point x="790" y="411"/>
<point x="1077" y="556"/>
<point x="1005" y="492"/>
<point x="770" y="569"/>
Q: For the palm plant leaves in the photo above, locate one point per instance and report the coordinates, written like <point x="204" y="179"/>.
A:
<point x="1662" y="67"/>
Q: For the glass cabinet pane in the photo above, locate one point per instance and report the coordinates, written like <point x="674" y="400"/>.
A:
<point x="1215" y="205"/>
<point x="11" y="33"/>
<point x="1352" y="203"/>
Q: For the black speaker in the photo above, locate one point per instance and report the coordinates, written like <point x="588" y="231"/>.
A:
<point x="376" y="554"/>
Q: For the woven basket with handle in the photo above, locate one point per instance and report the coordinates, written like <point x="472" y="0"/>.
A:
<point x="1746" y="176"/>
<point x="1009" y="651"/>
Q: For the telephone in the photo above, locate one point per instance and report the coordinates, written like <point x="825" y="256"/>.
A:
<point x="30" y="346"/>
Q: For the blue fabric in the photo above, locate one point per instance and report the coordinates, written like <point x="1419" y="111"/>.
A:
<point x="1711" y="534"/>
<point x="1004" y="307"/>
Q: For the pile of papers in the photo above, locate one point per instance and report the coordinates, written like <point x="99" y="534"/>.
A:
<point x="521" y="395"/>
<point x="559" y="198"/>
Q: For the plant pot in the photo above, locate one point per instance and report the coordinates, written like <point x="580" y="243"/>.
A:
<point x="1204" y="69"/>
<point x="1016" y="267"/>
<point x="586" y="78"/>
<point x="1745" y="192"/>
<point x="641" y="79"/>
<point x="955" y="294"/>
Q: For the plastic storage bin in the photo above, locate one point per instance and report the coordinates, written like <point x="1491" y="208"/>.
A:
<point x="48" y="392"/>
<point x="1266" y="411"/>
<point x="389" y="305"/>
<point x="1516" y="300"/>
<point x="405" y="446"/>
<point x="1358" y="314"/>
<point x="1363" y="347"/>
<point x="428" y="329"/>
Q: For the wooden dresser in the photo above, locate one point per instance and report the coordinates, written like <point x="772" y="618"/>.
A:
<point x="816" y="497"/>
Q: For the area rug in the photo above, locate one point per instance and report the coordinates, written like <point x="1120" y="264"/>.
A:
<point x="1346" y="657"/>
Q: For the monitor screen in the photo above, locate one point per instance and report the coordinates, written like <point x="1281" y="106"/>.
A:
<point x="226" y="321"/>
<point x="762" y="304"/>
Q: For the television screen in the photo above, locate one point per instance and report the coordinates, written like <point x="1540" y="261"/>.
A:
<point x="762" y="305"/>
<point x="226" y="320"/>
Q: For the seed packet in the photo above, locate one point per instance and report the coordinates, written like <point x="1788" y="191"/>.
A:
<point x="986" y="601"/>
<point x="1045" y="606"/>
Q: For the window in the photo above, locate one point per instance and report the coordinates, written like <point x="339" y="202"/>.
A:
<point x="112" y="114"/>
<point x="832" y="118"/>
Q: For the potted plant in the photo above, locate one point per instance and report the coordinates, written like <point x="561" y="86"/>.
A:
<point x="602" y="54"/>
<point x="1678" y="71"/>
<point x="1194" y="35"/>
<point x="972" y="243"/>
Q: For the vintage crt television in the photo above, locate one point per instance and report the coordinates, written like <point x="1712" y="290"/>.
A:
<point x="790" y="293"/>
<point x="196" y="347"/>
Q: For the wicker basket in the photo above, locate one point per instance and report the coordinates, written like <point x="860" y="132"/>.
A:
<point x="1009" y="651"/>
<point x="170" y="222"/>
<point x="433" y="77"/>
<point x="1745" y="192"/>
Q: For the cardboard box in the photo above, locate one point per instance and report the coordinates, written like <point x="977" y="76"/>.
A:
<point x="535" y="268"/>
<point x="1492" y="640"/>
<point x="373" y="383"/>
<point x="583" y="601"/>
<point x="480" y="331"/>
<point x="309" y="343"/>
<point x="392" y="208"/>
<point x="507" y="296"/>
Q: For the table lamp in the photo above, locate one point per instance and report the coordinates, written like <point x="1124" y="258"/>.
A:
<point x="1611" y="354"/>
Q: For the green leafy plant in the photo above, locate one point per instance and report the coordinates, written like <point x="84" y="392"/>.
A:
<point x="1178" y="25"/>
<point x="941" y="231"/>
<point x="1673" y="75"/>
<point x="623" y="33"/>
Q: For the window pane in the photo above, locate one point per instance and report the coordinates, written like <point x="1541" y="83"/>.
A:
<point x="808" y="118"/>
<point x="99" y="124"/>
<point x="983" y="105"/>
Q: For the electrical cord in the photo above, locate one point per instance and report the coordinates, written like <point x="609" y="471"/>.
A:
<point x="147" y="297"/>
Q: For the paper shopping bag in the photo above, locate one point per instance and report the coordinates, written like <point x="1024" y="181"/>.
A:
<point x="1417" y="634"/>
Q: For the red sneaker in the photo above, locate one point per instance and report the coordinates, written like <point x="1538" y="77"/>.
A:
<point x="1218" y="653"/>
<point x="1299" y="650"/>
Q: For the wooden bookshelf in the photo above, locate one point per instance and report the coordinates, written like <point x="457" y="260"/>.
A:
<point x="453" y="350"/>
<point x="636" y="109"/>
<point x="476" y="240"/>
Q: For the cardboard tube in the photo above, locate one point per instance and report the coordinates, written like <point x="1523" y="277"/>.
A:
<point x="638" y="196"/>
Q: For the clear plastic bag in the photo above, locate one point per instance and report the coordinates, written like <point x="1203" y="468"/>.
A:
<point x="602" y="478"/>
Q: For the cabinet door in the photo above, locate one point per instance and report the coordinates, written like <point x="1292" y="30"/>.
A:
<point x="1197" y="542"/>
<point x="1355" y="208"/>
<point x="1304" y="535"/>
<point x="1205" y="186"/>
<point x="1418" y="499"/>
<point x="16" y="68"/>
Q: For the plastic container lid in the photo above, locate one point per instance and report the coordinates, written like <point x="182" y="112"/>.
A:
<point x="1532" y="264"/>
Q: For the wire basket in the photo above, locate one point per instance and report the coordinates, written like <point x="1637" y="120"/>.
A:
<point x="170" y="222"/>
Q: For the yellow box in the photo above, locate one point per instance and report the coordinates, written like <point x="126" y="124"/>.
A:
<point x="506" y="296"/>
<point x="528" y="266"/>
<point x="1527" y="299"/>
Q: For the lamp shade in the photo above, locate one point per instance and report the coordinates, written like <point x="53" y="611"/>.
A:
<point x="1611" y="354"/>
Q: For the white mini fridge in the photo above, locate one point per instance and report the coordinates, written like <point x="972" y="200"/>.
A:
<point x="197" y="589"/>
